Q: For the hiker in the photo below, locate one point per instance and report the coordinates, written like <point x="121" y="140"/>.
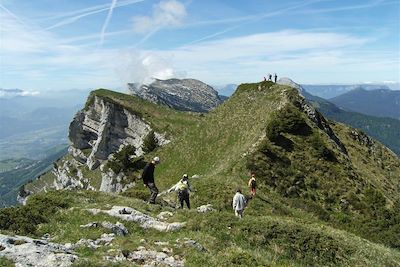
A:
<point x="253" y="185"/>
<point x="275" y="77"/>
<point x="270" y="77"/>
<point x="148" y="179"/>
<point x="182" y="188"/>
<point x="239" y="203"/>
<point x="265" y="79"/>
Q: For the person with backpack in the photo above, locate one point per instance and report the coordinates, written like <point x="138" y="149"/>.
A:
<point x="253" y="185"/>
<point x="182" y="188"/>
<point x="148" y="179"/>
<point x="239" y="203"/>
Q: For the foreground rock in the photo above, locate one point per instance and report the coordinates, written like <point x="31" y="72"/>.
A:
<point x="205" y="208"/>
<point x="145" y="257"/>
<point x="118" y="228"/>
<point x="145" y="221"/>
<point x="25" y="251"/>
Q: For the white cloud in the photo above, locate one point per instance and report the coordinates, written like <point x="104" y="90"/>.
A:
<point x="170" y="13"/>
<point x="134" y="66"/>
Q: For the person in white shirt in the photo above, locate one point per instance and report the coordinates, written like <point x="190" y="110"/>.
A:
<point x="239" y="203"/>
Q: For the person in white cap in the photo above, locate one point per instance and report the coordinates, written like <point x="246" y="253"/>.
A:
<point x="148" y="179"/>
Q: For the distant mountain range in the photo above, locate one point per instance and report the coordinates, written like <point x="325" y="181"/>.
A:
<point x="385" y="130"/>
<point x="379" y="102"/>
<point x="333" y="90"/>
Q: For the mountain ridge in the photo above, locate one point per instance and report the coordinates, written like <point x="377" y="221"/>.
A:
<point x="299" y="209"/>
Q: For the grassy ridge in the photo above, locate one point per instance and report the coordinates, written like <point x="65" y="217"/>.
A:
<point x="314" y="206"/>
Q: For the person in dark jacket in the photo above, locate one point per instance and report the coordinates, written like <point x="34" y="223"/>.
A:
<point x="148" y="179"/>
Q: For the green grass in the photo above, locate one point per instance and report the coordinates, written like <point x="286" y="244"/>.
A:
<point x="314" y="206"/>
<point x="259" y="239"/>
<point x="6" y="262"/>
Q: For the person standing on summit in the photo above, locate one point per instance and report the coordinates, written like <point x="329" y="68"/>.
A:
<point x="148" y="179"/>
<point x="275" y="77"/>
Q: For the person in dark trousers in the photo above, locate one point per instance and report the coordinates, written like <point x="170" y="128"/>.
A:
<point x="182" y="188"/>
<point x="148" y="179"/>
<point x="270" y="77"/>
<point x="253" y="185"/>
<point x="275" y="77"/>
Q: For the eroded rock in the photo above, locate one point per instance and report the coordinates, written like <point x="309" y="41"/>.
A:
<point x="145" y="221"/>
<point x="25" y="251"/>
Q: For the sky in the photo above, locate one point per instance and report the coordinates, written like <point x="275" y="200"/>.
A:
<point x="65" y="44"/>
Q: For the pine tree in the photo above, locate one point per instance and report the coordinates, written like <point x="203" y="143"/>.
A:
<point x="149" y="142"/>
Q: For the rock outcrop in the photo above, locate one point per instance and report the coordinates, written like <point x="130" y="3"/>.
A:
<point x="145" y="221"/>
<point x="185" y="95"/>
<point x="25" y="251"/>
<point x="102" y="128"/>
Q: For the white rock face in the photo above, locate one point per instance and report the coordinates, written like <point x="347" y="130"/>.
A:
<point x="103" y="128"/>
<point x="25" y="251"/>
<point x="111" y="182"/>
<point x="145" y="221"/>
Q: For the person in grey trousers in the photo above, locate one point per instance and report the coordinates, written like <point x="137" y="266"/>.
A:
<point x="239" y="203"/>
<point x="148" y="179"/>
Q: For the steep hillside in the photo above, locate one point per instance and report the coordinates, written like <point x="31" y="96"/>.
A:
<point x="386" y="130"/>
<point x="379" y="103"/>
<point x="327" y="194"/>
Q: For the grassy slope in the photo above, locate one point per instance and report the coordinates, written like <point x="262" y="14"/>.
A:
<point x="387" y="130"/>
<point x="278" y="229"/>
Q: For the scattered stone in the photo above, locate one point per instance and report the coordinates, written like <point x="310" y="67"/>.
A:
<point x="46" y="236"/>
<point x="146" y="257"/>
<point x="164" y="215"/>
<point x="196" y="176"/>
<point x="191" y="243"/>
<point x="142" y="240"/>
<point x="104" y="240"/>
<point x="205" y="208"/>
<point x="145" y="221"/>
<point x="25" y="251"/>
<point x="160" y="243"/>
<point x="89" y="225"/>
<point x="118" y="228"/>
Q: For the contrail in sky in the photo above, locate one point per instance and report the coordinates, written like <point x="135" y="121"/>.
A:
<point x="109" y="15"/>
<point x="87" y="12"/>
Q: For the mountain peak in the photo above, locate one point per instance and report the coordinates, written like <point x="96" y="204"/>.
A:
<point x="291" y="83"/>
<point x="185" y="94"/>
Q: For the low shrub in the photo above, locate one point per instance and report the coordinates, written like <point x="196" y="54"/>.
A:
<point x="39" y="209"/>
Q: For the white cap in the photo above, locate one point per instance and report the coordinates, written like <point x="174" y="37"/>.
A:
<point x="185" y="176"/>
<point x="156" y="159"/>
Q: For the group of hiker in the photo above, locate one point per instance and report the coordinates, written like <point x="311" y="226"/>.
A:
<point x="183" y="189"/>
<point x="270" y="78"/>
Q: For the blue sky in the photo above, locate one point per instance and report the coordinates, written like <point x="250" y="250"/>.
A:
<point x="63" y="44"/>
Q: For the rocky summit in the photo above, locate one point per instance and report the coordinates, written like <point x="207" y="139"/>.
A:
<point x="185" y="94"/>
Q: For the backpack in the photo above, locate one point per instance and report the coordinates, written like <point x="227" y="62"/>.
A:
<point x="253" y="183"/>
